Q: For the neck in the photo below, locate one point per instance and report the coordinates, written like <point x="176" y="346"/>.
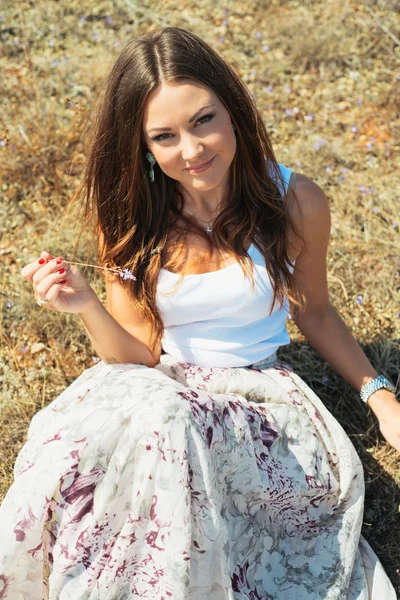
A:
<point x="205" y="204"/>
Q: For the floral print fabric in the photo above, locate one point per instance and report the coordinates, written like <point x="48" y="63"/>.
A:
<point x="187" y="482"/>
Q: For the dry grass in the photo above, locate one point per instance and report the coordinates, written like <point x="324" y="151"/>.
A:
<point x="326" y="78"/>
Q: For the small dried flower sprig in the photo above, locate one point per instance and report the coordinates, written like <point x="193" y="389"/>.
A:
<point x="125" y="273"/>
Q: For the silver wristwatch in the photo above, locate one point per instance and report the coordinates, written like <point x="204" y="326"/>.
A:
<point x="374" y="385"/>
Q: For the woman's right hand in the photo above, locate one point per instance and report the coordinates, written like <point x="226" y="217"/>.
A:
<point x="68" y="291"/>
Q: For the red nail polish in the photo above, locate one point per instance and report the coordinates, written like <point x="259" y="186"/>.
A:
<point x="61" y="271"/>
<point x="41" y="261"/>
<point x="59" y="261"/>
<point x="63" y="281"/>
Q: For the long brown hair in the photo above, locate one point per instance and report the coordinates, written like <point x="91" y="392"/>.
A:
<point x="133" y="216"/>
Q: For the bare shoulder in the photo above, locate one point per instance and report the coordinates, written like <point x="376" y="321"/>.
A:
<point x="311" y="213"/>
<point x="312" y="200"/>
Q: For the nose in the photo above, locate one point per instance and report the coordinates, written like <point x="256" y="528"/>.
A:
<point x="191" y="149"/>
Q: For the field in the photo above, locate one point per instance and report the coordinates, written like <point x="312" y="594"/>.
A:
<point x="326" y="79"/>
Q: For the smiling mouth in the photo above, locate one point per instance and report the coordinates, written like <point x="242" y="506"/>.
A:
<point x="201" y="166"/>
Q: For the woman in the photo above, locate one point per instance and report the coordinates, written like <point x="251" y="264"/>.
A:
<point x="190" y="462"/>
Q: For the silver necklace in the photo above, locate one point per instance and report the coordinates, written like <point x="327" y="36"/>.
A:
<point x="209" y="229"/>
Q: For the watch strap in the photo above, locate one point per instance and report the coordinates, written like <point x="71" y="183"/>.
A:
<point x="374" y="385"/>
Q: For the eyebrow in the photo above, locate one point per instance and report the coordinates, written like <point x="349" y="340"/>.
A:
<point x="190" y="120"/>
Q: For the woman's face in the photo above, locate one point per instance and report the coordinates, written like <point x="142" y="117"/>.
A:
<point x="194" y="127"/>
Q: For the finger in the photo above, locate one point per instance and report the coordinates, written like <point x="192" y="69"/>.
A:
<point x="29" y="270"/>
<point x="53" y="292"/>
<point x="49" y="267"/>
<point x="395" y="444"/>
<point x="44" y="287"/>
<point x="47" y="255"/>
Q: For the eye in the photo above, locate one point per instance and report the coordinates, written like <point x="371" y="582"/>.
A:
<point x="161" y="138"/>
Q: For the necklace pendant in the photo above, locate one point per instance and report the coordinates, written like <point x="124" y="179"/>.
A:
<point x="208" y="230"/>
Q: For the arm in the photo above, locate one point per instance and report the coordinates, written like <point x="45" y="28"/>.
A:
<point x="320" y="323"/>
<point x="118" y="333"/>
<point x="112" y="342"/>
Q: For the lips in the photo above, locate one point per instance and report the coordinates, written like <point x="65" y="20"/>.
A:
<point x="200" y="166"/>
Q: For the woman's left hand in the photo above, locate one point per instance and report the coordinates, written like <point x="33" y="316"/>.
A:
<point x="387" y="411"/>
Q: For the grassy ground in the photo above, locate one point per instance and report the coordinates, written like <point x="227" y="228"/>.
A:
<point x="326" y="78"/>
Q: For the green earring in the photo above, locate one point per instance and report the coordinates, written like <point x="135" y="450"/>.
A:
<point x="151" y="160"/>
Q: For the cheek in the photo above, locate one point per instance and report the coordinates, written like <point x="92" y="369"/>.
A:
<point x="232" y="147"/>
<point x="165" y="159"/>
<point x="170" y="163"/>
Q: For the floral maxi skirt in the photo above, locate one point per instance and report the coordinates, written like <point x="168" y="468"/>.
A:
<point x="187" y="482"/>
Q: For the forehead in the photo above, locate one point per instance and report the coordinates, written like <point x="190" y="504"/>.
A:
<point x="179" y="100"/>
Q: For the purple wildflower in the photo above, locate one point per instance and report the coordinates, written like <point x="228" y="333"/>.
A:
<point x="359" y="299"/>
<point x="51" y="43"/>
<point x="55" y="63"/>
<point x="354" y="128"/>
<point x="82" y="19"/>
<point x="309" y="117"/>
<point x="109" y="19"/>
<point x="221" y="39"/>
<point x="116" y="44"/>
<point x="328" y="169"/>
<point x="258" y="34"/>
<point x="266" y="48"/>
<point x="95" y="36"/>
<point x="317" y="146"/>
<point x="369" y="145"/>
<point x="9" y="304"/>
<point x="225" y="22"/>
<point x="269" y="89"/>
<point x="3" y="142"/>
<point x="363" y="189"/>
<point x="358" y="101"/>
<point x="289" y="112"/>
<point x="287" y="90"/>
<point x="344" y="170"/>
<point x="374" y="210"/>
<point x="127" y="274"/>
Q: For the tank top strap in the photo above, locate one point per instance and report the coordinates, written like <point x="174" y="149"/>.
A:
<point x="285" y="173"/>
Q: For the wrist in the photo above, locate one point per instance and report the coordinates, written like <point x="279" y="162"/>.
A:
<point x="92" y="303"/>
<point x="381" y="402"/>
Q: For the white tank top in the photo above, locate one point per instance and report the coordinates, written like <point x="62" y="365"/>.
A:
<point x="214" y="319"/>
